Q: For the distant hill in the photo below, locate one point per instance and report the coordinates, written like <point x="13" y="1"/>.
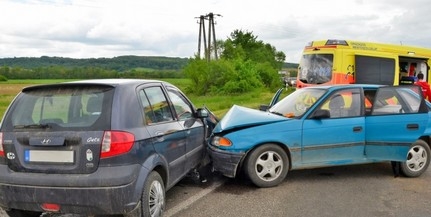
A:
<point x="120" y="63"/>
<point x="290" y="65"/>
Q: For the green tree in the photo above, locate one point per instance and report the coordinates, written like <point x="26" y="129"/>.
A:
<point x="245" y="64"/>
<point x="206" y="75"/>
<point x="244" y="78"/>
<point x="246" y="47"/>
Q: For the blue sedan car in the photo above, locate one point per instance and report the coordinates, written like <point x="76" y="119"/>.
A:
<point x="325" y="126"/>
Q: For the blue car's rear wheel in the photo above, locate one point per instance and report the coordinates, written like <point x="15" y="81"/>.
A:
<point x="418" y="159"/>
<point x="267" y="165"/>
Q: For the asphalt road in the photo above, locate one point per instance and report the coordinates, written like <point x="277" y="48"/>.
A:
<point x="356" y="191"/>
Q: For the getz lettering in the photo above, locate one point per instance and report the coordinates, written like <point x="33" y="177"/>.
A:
<point x="93" y="140"/>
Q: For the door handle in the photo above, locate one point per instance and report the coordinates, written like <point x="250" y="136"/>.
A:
<point x="357" y="129"/>
<point x="412" y="126"/>
<point x="159" y="136"/>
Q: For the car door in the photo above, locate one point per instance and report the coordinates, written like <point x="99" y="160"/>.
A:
<point x="398" y="118"/>
<point x="167" y="135"/>
<point x="193" y="127"/>
<point x="340" y="137"/>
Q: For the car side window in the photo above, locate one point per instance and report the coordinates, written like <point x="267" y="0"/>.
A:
<point x="396" y="100"/>
<point x="344" y="103"/>
<point x="155" y="105"/>
<point x="182" y="108"/>
<point x="369" y="96"/>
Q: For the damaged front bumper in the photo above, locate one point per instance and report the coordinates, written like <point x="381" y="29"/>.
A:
<point x="225" y="162"/>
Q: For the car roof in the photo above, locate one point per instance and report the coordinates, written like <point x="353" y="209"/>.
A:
<point x="110" y="82"/>
<point x="114" y="81"/>
<point x="343" y="86"/>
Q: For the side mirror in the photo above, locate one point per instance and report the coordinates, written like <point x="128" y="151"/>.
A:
<point x="202" y="113"/>
<point x="321" y="114"/>
<point x="263" y="107"/>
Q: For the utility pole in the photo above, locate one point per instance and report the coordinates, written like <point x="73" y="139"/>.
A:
<point x="202" y="34"/>
<point x="208" y="49"/>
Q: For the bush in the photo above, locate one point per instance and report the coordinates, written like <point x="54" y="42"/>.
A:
<point x="3" y="78"/>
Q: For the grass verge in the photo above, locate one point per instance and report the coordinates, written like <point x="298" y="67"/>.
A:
<point x="218" y="104"/>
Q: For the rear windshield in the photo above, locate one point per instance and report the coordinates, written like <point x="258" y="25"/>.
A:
<point x="59" y="107"/>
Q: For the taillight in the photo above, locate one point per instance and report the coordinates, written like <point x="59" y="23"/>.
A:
<point x="1" y="145"/>
<point x="116" y="143"/>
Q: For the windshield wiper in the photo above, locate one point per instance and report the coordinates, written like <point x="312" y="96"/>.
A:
<point x="277" y="113"/>
<point x="288" y="115"/>
<point x="29" y="126"/>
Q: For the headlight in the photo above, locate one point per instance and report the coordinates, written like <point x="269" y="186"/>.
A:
<point x="221" y="141"/>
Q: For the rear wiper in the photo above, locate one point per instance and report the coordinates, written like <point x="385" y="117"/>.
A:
<point x="23" y="126"/>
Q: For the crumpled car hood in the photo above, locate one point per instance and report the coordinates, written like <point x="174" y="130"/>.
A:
<point x="239" y="116"/>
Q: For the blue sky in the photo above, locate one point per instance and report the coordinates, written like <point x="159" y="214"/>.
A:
<point x="109" y="28"/>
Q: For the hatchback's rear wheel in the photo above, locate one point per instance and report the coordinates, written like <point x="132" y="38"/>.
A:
<point x="153" y="197"/>
<point x="267" y="165"/>
<point x="22" y="213"/>
<point x="418" y="159"/>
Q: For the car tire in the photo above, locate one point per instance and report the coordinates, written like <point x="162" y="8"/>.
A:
<point x="267" y="165"/>
<point x="153" y="196"/>
<point x="418" y="159"/>
<point x="22" y="213"/>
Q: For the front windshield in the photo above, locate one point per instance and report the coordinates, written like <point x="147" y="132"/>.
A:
<point x="315" y="68"/>
<point x="297" y="103"/>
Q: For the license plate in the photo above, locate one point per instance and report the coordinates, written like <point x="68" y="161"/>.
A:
<point x="48" y="156"/>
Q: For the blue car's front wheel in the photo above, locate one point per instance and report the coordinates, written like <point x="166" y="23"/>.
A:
<point x="267" y="165"/>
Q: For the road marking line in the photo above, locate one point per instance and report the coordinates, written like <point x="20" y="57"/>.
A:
<point x="174" y="210"/>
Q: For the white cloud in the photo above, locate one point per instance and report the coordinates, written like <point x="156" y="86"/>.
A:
<point x="107" y="28"/>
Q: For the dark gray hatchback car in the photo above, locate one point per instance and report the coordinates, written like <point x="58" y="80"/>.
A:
<point x="96" y="147"/>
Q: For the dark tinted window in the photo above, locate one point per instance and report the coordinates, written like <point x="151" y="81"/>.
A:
<point x="182" y="107"/>
<point x="155" y="104"/>
<point x="374" y="70"/>
<point x="61" y="107"/>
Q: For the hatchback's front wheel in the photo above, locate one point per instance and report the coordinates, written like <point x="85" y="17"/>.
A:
<point x="418" y="159"/>
<point x="267" y="165"/>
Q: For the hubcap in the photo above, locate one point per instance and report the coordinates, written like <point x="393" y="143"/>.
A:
<point x="156" y="199"/>
<point x="416" y="158"/>
<point x="269" y="166"/>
